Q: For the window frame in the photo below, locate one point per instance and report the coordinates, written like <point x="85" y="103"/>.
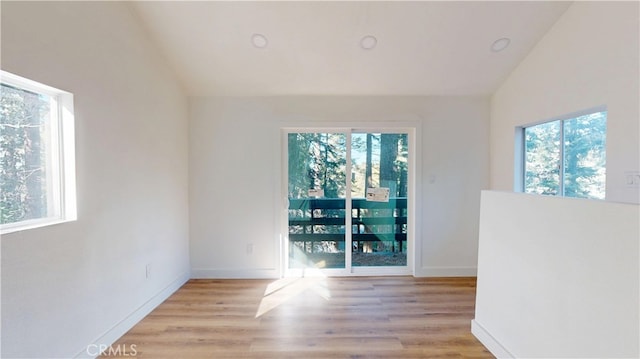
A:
<point x="520" y="149"/>
<point x="60" y="156"/>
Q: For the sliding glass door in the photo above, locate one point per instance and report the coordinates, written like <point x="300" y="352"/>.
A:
<point x="347" y="201"/>
<point x="379" y="199"/>
<point x="317" y="195"/>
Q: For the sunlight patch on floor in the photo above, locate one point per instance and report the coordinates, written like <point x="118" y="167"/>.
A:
<point x="282" y="290"/>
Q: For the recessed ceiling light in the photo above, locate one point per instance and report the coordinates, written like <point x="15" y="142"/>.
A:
<point x="368" y="42"/>
<point x="259" y="41"/>
<point x="500" y="44"/>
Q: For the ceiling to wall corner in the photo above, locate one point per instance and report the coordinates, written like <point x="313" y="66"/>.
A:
<point x="346" y="48"/>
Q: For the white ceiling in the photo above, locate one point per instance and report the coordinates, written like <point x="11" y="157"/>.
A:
<point x="423" y="48"/>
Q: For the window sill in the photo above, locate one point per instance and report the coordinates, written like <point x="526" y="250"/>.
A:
<point x="32" y="224"/>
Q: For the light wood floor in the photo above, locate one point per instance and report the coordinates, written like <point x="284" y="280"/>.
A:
<point x="355" y="317"/>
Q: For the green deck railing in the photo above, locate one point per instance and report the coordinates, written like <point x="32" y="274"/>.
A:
<point x="313" y="220"/>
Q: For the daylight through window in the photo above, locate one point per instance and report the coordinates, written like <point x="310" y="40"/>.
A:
<point x="567" y="157"/>
<point x="37" y="184"/>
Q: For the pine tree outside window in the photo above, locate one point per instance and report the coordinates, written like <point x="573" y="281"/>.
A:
<point x="37" y="170"/>
<point x="566" y="157"/>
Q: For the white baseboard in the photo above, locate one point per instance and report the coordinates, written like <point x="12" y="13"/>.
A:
<point x="272" y="273"/>
<point x="447" y="272"/>
<point x="489" y="341"/>
<point x="132" y="319"/>
<point x="199" y="273"/>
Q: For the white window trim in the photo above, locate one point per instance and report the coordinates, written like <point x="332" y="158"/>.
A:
<point x="61" y="161"/>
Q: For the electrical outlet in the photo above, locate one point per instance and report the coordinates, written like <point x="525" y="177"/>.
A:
<point x="147" y="269"/>
<point x="249" y="248"/>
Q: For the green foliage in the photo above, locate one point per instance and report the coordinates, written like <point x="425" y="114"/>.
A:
<point x="393" y="163"/>
<point x="402" y="164"/>
<point x="542" y="158"/>
<point x="318" y="160"/>
<point x="22" y="154"/>
<point x="584" y="157"/>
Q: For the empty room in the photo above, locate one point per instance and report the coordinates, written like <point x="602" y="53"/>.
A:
<point x="320" y="179"/>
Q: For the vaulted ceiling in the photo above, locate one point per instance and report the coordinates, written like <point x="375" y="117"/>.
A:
<point x="319" y="48"/>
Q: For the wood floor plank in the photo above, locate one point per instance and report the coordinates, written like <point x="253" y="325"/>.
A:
<point x="321" y="344"/>
<point x="355" y="317"/>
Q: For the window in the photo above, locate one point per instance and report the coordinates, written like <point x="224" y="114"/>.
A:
<point x="37" y="169"/>
<point x="566" y="157"/>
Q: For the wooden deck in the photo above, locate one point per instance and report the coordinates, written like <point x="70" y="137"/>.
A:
<point x="303" y="318"/>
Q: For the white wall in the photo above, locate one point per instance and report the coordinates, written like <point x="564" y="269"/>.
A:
<point x="235" y="174"/>
<point x="589" y="58"/>
<point x="558" y="277"/>
<point x="70" y="285"/>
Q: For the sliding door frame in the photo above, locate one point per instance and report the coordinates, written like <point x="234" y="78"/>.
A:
<point x="412" y="228"/>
